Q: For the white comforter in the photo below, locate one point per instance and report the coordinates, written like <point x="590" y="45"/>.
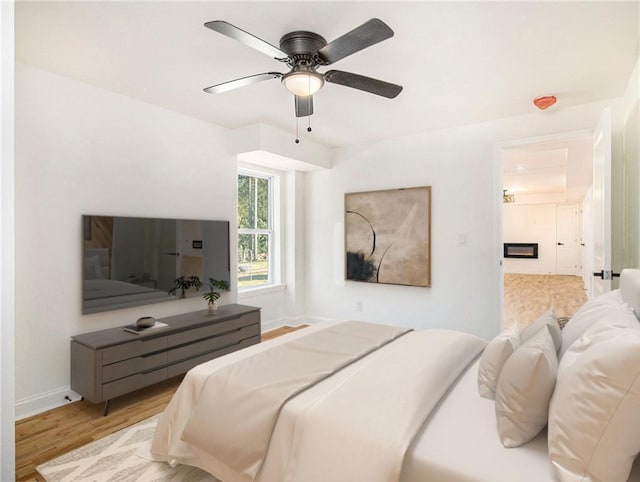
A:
<point x="355" y="425"/>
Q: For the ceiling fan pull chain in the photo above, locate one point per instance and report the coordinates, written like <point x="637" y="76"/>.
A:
<point x="297" y="136"/>
<point x="309" y="116"/>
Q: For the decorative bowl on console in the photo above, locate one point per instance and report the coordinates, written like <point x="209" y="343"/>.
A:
<point x="146" y="322"/>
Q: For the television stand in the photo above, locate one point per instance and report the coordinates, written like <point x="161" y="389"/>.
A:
<point x="108" y="363"/>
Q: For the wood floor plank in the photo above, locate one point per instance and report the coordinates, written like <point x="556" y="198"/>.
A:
<point x="527" y="296"/>
<point x="51" y="434"/>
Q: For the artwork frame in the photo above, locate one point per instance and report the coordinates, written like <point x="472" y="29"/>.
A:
<point x="86" y="229"/>
<point x="388" y="236"/>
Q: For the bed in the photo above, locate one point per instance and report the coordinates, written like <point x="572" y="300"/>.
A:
<point x="100" y="292"/>
<point x="406" y="407"/>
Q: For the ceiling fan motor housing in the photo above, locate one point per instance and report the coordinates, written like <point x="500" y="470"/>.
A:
<point x="302" y="45"/>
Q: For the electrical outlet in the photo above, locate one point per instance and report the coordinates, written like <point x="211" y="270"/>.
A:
<point x="358" y="305"/>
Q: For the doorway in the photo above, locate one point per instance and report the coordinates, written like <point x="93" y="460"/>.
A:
<point x="545" y="181"/>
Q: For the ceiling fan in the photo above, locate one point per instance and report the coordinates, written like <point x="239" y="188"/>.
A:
<point x="304" y="52"/>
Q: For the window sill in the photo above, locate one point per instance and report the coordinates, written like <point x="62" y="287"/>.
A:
<point x="260" y="291"/>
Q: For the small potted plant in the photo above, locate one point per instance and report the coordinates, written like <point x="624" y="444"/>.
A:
<point x="184" y="283"/>
<point x="212" y="295"/>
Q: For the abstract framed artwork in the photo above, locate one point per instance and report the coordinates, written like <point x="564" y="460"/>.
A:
<point x="388" y="236"/>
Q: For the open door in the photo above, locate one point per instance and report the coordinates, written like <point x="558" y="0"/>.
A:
<point x="601" y="207"/>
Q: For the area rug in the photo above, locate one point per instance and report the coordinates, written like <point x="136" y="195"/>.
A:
<point x="117" y="458"/>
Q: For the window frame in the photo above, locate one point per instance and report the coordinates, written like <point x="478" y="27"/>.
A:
<point x="272" y="231"/>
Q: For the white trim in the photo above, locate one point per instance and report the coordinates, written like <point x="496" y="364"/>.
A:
<point x="498" y="215"/>
<point x="274" y="230"/>
<point x="312" y="320"/>
<point x="260" y="290"/>
<point x="547" y="138"/>
<point x="257" y="171"/>
<point x="7" y="242"/>
<point x="43" y="402"/>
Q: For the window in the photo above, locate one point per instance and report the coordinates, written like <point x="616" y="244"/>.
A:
<point x="255" y="230"/>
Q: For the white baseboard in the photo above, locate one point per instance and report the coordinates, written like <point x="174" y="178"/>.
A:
<point x="45" y="401"/>
<point x="312" y="320"/>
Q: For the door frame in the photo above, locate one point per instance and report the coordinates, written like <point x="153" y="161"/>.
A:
<point x="7" y="241"/>
<point x="602" y="248"/>
<point x="498" y="184"/>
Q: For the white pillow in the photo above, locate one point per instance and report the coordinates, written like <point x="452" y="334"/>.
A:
<point x="588" y="314"/>
<point x="549" y="320"/>
<point x="493" y="358"/>
<point x="525" y="388"/>
<point x="616" y="316"/>
<point x="630" y="289"/>
<point x="594" y="416"/>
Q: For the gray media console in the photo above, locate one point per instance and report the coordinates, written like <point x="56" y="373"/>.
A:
<point x="109" y="363"/>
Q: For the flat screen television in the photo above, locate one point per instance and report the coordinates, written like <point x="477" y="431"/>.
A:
<point x="129" y="261"/>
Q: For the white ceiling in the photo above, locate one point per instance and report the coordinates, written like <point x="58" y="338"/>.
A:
<point x="560" y="167"/>
<point x="459" y="63"/>
<point x="527" y="171"/>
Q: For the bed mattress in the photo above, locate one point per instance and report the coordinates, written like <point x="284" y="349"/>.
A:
<point x="459" y="443"/>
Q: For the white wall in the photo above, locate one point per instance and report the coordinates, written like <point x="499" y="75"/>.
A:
<point x="531" y="223"/>
<point x="80" y="150"/>
<point x="631" y="168"/>
<point x="462" y="165"/>
<point x="7" y="315"/>
<point x="87" y="150"/>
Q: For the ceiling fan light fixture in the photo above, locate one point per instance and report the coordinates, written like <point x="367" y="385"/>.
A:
<point x="303" y="83"/>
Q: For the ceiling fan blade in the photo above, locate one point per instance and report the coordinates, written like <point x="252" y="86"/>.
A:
<point x="304" y="106"/>
<point x="360" y="82"/>
<point x="366" y="35"/>
<point x="225" y="28"/>
<point x="243" y="81"/>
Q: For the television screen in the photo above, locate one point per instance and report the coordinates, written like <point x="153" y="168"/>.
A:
<point x="130" y="261"/>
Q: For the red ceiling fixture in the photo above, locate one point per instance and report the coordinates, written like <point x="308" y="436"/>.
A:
<point x="545" y="102"/>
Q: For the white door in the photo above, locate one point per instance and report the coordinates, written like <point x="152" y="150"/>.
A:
<point x="566" y="246"/>
<point x="601" y="205"/>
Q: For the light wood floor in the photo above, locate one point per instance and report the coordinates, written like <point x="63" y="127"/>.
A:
<point x="48" y="435"/>
<point x="527" y="296"/>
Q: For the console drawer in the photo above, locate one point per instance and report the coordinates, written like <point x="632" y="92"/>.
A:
<point x="213" y="343"/>
<point x="133" y="365"/>
<point x="214" y="329"/>
<point x="133" y="349"/>
<point x="134" y="382"/>
<point x="106" y="364"/>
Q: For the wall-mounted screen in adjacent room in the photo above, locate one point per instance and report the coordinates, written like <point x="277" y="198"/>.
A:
<point x="134" y="261"/>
